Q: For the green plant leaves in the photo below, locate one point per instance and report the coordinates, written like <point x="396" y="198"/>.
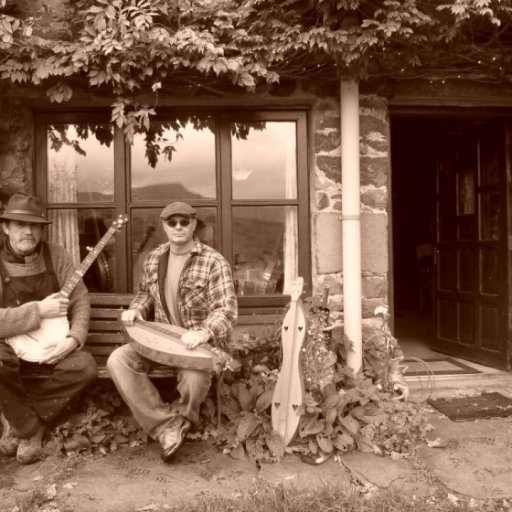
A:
<point x="264" y="400"/>
<point x="246" y="426"/>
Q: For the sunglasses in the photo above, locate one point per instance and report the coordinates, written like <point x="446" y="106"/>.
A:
<point x="174" y="222"/>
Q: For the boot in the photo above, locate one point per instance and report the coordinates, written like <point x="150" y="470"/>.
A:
<point x="8" y="442"/>
<point x="172" y="435"/>
<point x="31" y="450"/>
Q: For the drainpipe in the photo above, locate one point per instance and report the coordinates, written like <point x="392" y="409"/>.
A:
<point x="351" y="221"/>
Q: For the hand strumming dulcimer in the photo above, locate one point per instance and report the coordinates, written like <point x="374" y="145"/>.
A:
<point x="162" y="344"/>
<point x="289" y="392"/>
<point x="34" y="345"/>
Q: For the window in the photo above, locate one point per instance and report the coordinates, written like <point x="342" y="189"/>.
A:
<point x="244" y="172"/>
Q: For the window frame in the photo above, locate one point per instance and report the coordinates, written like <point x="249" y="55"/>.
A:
<point x="224" y="203"/>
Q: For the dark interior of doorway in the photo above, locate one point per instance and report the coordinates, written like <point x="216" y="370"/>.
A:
<point x="413" y="143"/>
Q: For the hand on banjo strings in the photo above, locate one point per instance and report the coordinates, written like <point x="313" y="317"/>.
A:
<point x="129" y="316"/>
<point x="193" y="339"/>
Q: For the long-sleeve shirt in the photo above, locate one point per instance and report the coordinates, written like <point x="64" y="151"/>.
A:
<point x="26" y="318"/>
<point x="206" y="296"/>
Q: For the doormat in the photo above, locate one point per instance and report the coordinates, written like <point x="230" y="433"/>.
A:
<point x="437" y="366"/>
<point x="486" y="405"/>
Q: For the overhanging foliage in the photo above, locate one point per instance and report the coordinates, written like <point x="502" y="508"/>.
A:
<point x="127" y="47"/>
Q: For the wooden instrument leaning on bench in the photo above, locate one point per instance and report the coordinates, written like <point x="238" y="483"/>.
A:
<point x="162" y="344"/>
<point x="289" y="393"/>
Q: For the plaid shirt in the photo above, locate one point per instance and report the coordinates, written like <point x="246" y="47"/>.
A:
<point x="206" y="293"/>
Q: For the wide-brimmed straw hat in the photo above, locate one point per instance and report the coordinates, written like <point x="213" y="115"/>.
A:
<point x="24" y="209"/>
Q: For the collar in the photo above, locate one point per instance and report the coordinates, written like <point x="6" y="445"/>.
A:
<point x="7" y="253"/>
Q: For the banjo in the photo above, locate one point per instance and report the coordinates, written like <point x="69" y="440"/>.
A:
<point x="161" y="343"/>
<point x="33" y="346"/>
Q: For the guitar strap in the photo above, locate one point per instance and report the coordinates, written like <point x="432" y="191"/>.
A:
<point x="18" y="290"/>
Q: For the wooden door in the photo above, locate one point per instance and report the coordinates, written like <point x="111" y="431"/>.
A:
<point x="470" y="286"/>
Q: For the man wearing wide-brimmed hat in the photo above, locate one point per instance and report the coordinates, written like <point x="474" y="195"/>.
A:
<point x="32" y="272"/>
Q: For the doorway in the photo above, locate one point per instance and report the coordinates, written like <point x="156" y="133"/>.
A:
<point x="449" y="237"/>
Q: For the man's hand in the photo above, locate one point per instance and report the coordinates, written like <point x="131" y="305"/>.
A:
<point x="60" y="351"/>
<point x="53" y="306"/>
<point x="129" y="316"/>
<point x="192" y="339"/>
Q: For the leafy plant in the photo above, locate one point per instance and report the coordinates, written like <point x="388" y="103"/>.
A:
<point x="123" y="48"/>
<point x="341" y="412"/>
<point x="96" y="425"/>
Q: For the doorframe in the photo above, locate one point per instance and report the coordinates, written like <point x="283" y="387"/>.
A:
<point x="454" y="112"/>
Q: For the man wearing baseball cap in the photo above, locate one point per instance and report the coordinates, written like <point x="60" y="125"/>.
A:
<point x="189" y="284"/>
<point x="32" y="273"/>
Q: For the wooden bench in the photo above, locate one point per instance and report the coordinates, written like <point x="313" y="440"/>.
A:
<point x="106" y="334"/>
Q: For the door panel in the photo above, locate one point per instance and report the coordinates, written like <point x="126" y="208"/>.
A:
<point x="470" y="272"/>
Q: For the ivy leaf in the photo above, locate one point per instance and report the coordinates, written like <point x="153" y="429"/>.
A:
<point x="248" y="423"/>
<point x="244" y="397"/>
<point x="330" y="402"/>
<point x="343" y="442"/>
<point x="264" y="400"/>
<point x="350" y="424"/>
<point x="325" y="443"/>
<point x="331" y="416"/>
<point x="310" y="426"/>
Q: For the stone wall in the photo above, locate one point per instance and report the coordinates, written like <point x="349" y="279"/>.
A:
<point x="326" y="203"/>
<point x="16" y="148"/>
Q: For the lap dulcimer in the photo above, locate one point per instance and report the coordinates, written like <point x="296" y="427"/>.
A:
<point x="162" y="344"/>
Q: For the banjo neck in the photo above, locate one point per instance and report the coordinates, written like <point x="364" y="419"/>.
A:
<point x="74" y="279"/>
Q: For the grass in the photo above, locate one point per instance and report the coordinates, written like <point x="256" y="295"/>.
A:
<point x="271" y="498"/>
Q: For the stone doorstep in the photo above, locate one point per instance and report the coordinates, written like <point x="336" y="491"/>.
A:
<point x="439" y="385"/>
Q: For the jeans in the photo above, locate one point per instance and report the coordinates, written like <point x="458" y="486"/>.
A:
<point x="129" y="371"/>
<point x="26" y="410"/>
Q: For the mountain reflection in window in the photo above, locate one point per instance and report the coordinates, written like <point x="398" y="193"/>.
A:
<point x="174" y="161"/>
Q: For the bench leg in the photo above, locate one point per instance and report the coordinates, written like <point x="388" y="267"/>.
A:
<point x="218" y="388"/>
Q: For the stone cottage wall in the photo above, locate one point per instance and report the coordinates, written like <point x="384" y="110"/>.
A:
<point x="16" y="148"/>
<point x="326" y="204"/>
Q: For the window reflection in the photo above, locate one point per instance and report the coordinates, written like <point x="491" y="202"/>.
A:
<point x="264" y="161"/>
<point x="174" y="162"/>
<point x="147" y="234"/>
<point x="79" y="231"/>
<point x="80" y="163"/>
<point x="265" y="249"/>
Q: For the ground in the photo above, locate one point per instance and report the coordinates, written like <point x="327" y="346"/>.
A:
<point x="469" y="460"/>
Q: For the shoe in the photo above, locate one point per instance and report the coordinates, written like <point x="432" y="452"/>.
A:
<point x="31" y="450"/>
<point x="8" y="442"/>
<point x="172" y="435"/>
